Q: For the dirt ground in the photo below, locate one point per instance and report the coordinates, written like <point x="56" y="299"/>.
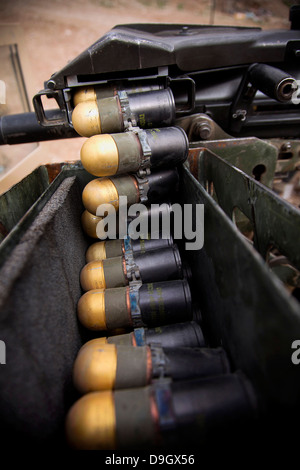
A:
<point x="52" y="33"/>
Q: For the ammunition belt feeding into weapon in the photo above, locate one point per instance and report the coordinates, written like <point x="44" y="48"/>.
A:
<point x="152" y="371"/>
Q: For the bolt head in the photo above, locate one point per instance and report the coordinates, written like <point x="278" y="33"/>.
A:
<point x="51" y="84"/>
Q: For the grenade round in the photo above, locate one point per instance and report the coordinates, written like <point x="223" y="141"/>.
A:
<point x="151" y="305"/>
<point x="187" y="334"/>
<point x="112" y="248"/>
<point x="101" y="366"/>
<point x="136" y="418"/>
<point x="156" y="187"/>
<point x="151" y="219"/>
<point x="116" y="113"/>
<point x="111" y="154"/>
<point x="94" y="93"/>
<point x="118" y="271"/>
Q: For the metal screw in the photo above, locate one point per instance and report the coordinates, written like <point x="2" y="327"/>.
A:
<point x="184" y="30"/>
<point x="51" y="84"/>
<point x="203" y="129"/>
<point x="286" y="147"/>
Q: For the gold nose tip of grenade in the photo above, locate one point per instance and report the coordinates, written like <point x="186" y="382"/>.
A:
<point x="98" y="251"/>
<point x="99" y="192"/>
<point x="91" y="310"/>
<point x="95" y="367"/>
<point x="91" y="422"/>
<point x="86" y="120"/>
<point x="99" y="155"/>
<point x="89" y="223"/>
<point x="84" y="94"/>
<point x="92" y="276"/>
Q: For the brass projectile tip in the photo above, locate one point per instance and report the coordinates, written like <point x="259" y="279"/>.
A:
<point x="95" y="367"/>
<point x="89" y="223"/>
<point x="99" y="155"/>
<point x="84" y="94"/>
<point x="95" y="251"/>
<point x="86" y="119"/>
<point x="92" y="276"/>
<point x="100" y="191"/>
<point x="91" y="422"/>
<point x="91" y="309"/>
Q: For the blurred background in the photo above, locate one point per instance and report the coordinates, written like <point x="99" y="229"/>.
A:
<point x="38" y="37"/>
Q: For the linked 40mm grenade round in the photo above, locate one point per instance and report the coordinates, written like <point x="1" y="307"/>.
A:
<point x="156" y="187"/>
<point x="107" y="90"/>
<point x="112" y="154"/>
<point x="117" y="113"/>
<point x="185" y="334"/>
<point x="151" y="218"/>
<point x="152" y="266"/>
<point x="112" y="248"/>
<point x="138" y="305"/>
<point x="194" y="413"/>
<point x="101" y="366"/>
